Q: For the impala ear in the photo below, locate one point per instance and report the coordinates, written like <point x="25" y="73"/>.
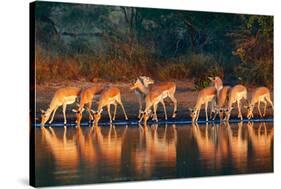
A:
<point x="100" y="110"/>
<point x="190" y="109"/>
<point x="82" y="109"/>
<point x="42" y="111"/>
<point x="93" y="111"/>
<point x="246" y="106"/>
<point x="78" y="105"/>
<point x="74" y="110"/>
<point x="211" y="78"/>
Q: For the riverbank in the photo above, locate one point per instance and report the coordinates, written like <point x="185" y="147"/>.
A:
<point x="186" y="96"/>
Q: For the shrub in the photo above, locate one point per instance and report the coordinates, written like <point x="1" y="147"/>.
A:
<point x="201" y="67"/>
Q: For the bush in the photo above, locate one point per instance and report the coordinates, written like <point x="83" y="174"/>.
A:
<point x="260" y="72"/>
<point x="58" y="68"/>
<point x="203" y="66"/>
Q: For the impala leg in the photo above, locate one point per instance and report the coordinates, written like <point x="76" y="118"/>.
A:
<point x="239" y="110"/>
<point x="141" y="117"/>
<point x="259" y="108"/>
<point x="212" y="108"/>
<point x="63" y="111"/>
<point x="164" y="107"/>
<point x="109" y="114"/>
<point x="228" y="114"/>
<point x="155" y="111"/>
<point x="206" y="110"/>
<point x="215" y="115"/>
<point x="174" y="100"/>
<point x="140" y="106"/>
<point x="115" y="109"/>
<point x="197" y="114"/>
<point x="270" y="102"/>
<point x="121" y="104"/>
<point x="53" y="114"/>
<point x="89" y="111"/>
<point x="265" y="107"/>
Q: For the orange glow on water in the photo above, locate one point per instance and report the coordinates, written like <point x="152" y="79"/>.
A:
<point x="72" y="155"/>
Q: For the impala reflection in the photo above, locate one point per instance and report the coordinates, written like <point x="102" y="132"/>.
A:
<point x="157" y="147"/>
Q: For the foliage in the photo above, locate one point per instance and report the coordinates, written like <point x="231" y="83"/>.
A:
<point x="76" y="41"/>
<point x="254" y="46"/>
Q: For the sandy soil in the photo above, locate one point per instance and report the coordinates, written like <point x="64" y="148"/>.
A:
<point x="186" y="96"/>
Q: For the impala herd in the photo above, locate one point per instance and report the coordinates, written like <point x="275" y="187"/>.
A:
<point x="221" y="98"/>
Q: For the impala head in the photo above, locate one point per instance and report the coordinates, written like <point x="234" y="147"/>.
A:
<point x="78" y="114"/>
<point x="216" y="81"/>
<point x="227" y="111"/>
<point x="97" y="115"/>
<point x="146" y="115"/>
<point x="146" y="80"/>
<point x="192" y="114"/>
<point x="221" y="112"/>
<point x="142" y="80"/>
<point x="44" y="116"/>
<point x="250" y="109"/>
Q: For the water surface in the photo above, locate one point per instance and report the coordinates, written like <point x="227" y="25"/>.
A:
<point x="119" y="153"/>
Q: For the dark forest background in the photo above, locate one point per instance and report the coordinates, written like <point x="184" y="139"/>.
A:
<point x="95" y="42"/>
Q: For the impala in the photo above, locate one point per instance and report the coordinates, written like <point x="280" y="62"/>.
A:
<point x="222" y="100"/>
<point x="217" y="82"/>
<point x="157" y="94"/>
<point x="141" y="88"/>
<point x="62" y="97"/>
<point x="261" y="94"/>
<point x="237" y="93"/>
<point x="205" y="96"/>
<point x="86" y="98"/>
<point x="109" y="96"/>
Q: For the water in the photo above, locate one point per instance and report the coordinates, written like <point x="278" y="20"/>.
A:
<point x="107" y="154"/>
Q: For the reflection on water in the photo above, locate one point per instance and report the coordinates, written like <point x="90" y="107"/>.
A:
<point x="103" y="154"/>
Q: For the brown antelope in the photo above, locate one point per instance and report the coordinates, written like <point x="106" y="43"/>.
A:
<point x="109" y="96"/>
<point x="86" y="98"/>
<point x="217" y="83"/>
<point x="62" y="97"/>
<point x="141" y="88"/>
<point x="261" y="94"/>
<point x="205" y="96"/>
<point x="222" y="100"/>
<point x="157" y="94"/>
<point x="237" y="93"/>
